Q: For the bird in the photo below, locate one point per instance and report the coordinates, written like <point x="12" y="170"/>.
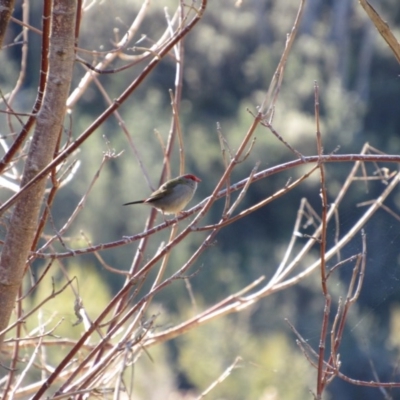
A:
<point x="172" y="196"/>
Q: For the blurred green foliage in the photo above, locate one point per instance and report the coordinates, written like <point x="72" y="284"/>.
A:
<point x="230" y="58"/>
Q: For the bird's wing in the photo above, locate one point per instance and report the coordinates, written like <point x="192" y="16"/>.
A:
<point x="159" y="193"/>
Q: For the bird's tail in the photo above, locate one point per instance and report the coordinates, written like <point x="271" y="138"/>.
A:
<point x="134" y="202"/>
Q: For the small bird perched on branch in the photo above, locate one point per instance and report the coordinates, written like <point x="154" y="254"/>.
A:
<point x="172" y="196"/>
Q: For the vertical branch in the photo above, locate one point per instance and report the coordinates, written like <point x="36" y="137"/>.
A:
<point x="176" y="101"/>
<point x="44" y="67"/>
<point x="24" y="57"/>
<point x="268" y="104"/>
<point x="324" y="221"/>
<point x="177" y="126"/>
<point x="323" y="194"/>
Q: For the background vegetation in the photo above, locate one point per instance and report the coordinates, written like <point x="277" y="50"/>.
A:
<point x="229" y="60"/>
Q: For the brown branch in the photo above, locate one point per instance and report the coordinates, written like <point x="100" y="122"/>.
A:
<point x="237" y="186"/>
<point x="382" y="28"/>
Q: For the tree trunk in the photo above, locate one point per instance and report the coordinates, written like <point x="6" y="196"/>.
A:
<point x="49" y="125"/>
